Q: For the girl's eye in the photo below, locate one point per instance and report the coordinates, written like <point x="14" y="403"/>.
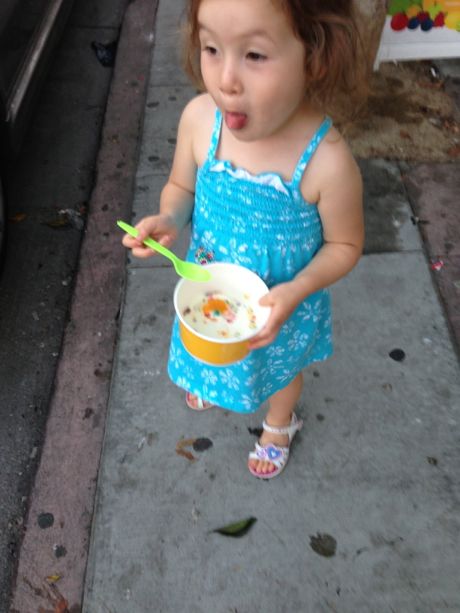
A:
<point x="255" y="57"/>
<point x="210" y="50"/>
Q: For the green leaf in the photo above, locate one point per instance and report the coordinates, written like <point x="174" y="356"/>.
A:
<point x="433" y="10"/>
<point x="239" y="528"/>
<point x="401" y="6"/>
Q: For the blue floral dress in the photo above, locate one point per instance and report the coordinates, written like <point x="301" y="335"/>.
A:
<point x="261" y="222"/>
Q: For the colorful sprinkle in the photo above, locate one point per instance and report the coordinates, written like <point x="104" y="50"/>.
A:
<point x="223" y="317"/>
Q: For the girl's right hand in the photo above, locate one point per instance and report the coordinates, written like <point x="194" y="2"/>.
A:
<point x="161" y="228"/>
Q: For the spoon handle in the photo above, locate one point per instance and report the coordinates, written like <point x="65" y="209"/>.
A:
<point x="148" y="241"/>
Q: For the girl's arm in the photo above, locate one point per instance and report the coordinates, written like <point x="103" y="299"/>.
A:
<point x="341" y="212"/>
<point x="178" y="195"/>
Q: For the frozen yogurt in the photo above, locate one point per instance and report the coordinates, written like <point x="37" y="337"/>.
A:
<point x="218" y="316"/>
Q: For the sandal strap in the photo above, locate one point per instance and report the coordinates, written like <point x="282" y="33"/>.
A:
<point x="271" y="453"/>
<point x="290" y="430"/>
<point x="201" y="405"/>
<point x="275" y="429"/>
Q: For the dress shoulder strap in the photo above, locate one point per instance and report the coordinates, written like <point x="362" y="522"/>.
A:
<point x="310" y="150"/>
<point x="215" y="136"/>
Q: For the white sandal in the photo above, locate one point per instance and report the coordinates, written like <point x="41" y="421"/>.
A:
<point x="278" y="456"/>
<point x="201" y="405"/>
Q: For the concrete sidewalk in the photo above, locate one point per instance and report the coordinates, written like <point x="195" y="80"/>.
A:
<point x="366" y="516"/>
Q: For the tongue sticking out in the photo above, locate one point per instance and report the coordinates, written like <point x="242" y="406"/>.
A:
<point x="235" y="121"/>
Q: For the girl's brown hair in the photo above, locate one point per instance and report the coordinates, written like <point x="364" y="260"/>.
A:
<point x="330" y="35"/>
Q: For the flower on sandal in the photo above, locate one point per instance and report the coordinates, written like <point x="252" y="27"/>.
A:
<point x="269" y="452"/>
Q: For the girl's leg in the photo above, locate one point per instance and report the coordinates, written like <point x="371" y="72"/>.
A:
<point x="281" y="407"/>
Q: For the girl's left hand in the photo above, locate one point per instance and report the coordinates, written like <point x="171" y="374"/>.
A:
<point x="283" y="300"/>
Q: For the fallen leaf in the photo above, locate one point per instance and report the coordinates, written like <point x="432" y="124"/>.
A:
<point x="186" y="442"/>
<point x="323" y="544"/>
<point x="62" y="606"/>
<point x="53" y="578"/>
<point x="17" y="218"/>
<point x="186" y="454"/>
<point x="60" y="222"/>
<point x="237" y="529"/>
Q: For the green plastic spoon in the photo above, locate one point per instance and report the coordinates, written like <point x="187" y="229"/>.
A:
<point x="188" y="270"/>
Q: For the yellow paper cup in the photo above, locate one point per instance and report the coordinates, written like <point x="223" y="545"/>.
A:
<point x="237" y="283"/>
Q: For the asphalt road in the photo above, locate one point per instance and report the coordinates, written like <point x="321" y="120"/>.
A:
<point x="47" y="189"/>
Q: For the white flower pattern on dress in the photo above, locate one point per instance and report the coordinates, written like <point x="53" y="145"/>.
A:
<point x="174" y="356"/>
<point x="209" y="377"/>
<point x="229" y="379"/>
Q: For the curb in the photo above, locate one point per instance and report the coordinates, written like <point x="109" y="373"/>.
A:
<point x="54" y="552"/>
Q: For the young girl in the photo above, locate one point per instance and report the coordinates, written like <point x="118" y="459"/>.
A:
<point x="269" y="184"/>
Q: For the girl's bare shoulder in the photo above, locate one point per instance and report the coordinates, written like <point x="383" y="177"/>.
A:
<point x="332" y="167"/>
<point x="337" y="152"/>
<point x="197" y="122"/>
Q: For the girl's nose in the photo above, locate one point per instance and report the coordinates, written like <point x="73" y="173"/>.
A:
<point x="230" y="82"/>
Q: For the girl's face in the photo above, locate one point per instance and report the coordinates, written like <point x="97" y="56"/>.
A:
<point x="252" y="65"/>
